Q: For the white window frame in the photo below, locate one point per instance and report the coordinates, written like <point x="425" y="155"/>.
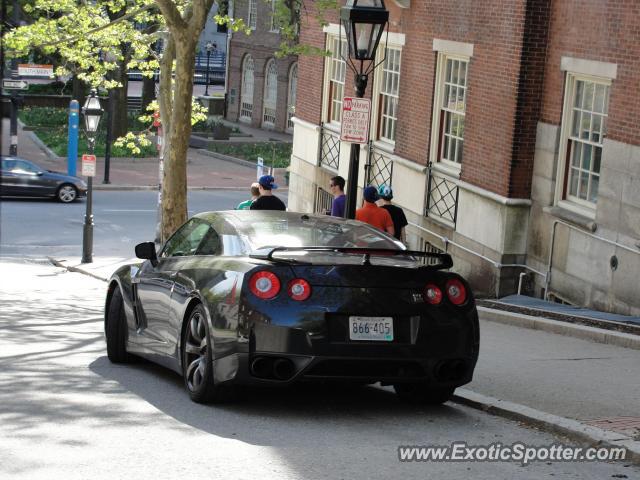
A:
<point x="383" y="93"/>
<point x="446" y="50"/>
<point x="252" y="14"/>
<point x="563" y="196"/>
<point x="247" y="89"/>
<point x="270" y="95"/>
<point x="334" y="80"/>
<point x="292" y="92"/>
<point x="273" y="28"/>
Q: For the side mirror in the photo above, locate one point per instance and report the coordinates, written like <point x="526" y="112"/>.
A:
<point x="147" y="251"/>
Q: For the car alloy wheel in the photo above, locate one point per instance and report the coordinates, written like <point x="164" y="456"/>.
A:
<point x="197" y="362"/>
<point x="196" y="351"/>
<point x="67" y="193"/>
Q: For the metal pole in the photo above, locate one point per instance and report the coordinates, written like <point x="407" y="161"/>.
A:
<point x="87" y="231"/>
<point x="354" y="161"/>
<point x="107" y="148"/>
<point x="206" y="89"/>
<point x="13" y="125"/>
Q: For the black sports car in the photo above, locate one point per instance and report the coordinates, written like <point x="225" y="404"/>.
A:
<point x="265" y="297"/>
<point x="23" y="178"/>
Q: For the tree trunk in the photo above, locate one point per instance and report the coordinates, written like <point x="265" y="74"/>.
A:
<point x="119" y="127"/>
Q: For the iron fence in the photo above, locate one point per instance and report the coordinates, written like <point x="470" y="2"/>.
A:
<point x="322" y="203"/>
<point x="379" y="167"/>
<point x="442" y="197"/>
<point x="329" y="149"/>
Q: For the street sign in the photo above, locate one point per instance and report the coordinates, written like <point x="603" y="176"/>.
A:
<point x="355" y="120"/>
<point x="14" y="84"/>
<point x="89" y="165"/>
<point x="35" y="70"/>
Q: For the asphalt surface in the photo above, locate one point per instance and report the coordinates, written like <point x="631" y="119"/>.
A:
<point x="67" y="412"/>
<point x="40" y="228"/>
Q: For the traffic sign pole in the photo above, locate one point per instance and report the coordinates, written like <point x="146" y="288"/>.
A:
<point x="354" y="161"/>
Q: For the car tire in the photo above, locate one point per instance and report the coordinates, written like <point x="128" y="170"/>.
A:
<point x="197" y="357"/>
<point x="423" y="394"/>
<point x="67" y="193"/>
<point x="115" y="329"/>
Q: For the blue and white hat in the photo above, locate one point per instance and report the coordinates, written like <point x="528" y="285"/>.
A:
<point x="385" y="192"/>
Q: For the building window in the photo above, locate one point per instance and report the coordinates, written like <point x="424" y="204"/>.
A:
<point x="337" y="70"/>
<point x="246" y="92"/>
<point x="388" y="97"/>
<point x="291" y="97"/>
<point x="270" y="94"/>
<point x="584" y="122"/>
<point x="253" y="14"/>
<point x="274" y="22"/>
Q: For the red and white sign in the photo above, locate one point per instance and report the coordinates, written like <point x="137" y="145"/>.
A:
<point x="89" y="165"/>
<point x="356" y="113"/>
<point x="35" y="70"/>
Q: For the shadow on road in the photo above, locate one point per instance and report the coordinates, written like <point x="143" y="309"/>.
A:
<point x="296" y="407"/>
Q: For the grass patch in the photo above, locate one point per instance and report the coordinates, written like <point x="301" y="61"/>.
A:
<point x="51" y="126"/>
<point x="276" y="154"/>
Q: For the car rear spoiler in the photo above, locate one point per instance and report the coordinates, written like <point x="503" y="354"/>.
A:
<point x="444" y="259"/>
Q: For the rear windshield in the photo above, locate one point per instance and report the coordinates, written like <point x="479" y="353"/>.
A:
<point x="314" y="233"/>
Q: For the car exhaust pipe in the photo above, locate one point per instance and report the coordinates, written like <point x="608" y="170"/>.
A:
<point x="450" y="370"/>
<point x="283" y="369"/>
<point x="261" y="367"/>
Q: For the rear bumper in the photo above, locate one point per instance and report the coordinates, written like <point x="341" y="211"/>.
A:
<point x="270" y="369"/>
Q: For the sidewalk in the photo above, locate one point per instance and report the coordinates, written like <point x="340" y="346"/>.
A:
<point x="203" y="171"/>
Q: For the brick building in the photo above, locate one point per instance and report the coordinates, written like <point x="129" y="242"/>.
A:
<point x="262" y="88"/>
<point x="508" y="130"/>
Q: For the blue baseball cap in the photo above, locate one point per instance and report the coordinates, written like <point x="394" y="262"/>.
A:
<point x="370" y="194"/>
<point x="267" y="182"/>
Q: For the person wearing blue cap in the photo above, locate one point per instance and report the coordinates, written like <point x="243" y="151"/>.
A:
<point x="372" y="213"/>
<point x="267" y="200"/>
<point x="397" y="214"/>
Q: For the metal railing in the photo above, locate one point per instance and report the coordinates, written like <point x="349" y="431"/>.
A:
<point x="322" y="202"/>
<point x="442" y="197"/>
<point x="547" y="277"/>
<point x="379" y="167"/>
<point x="446" y="242"/>
<point x="329" y="149"/>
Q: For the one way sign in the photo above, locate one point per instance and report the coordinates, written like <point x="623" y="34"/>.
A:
<point x="8" y="84"/>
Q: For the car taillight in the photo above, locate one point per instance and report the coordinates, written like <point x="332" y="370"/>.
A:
<point x="299" y="289"/>
<point x="264" y="284"/>
<point x="432" y="294"/>
<point x="456" y="292"/>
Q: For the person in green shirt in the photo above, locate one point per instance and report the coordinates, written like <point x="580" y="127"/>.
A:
<point x="255" y="193"/>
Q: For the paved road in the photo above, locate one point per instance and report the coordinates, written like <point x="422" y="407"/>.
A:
<point x="40" y="228"/>
<point x="66" y="412"/>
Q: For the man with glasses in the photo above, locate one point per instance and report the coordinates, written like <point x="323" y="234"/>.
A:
<point x="336" y="186"/>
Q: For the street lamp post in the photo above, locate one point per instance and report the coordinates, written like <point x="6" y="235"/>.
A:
<point x="211" y="47"/>
<point x="92" y="113"/>
<point x="363" y="22"/>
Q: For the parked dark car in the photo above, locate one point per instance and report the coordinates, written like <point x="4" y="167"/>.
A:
<point x="274" y="298"/>
<point x="23" y="178"/>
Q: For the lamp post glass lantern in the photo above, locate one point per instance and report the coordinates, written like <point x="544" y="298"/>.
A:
<point x="363" y="22"/>
<point x="92" y="112"/>
<point x="211" y="47"/>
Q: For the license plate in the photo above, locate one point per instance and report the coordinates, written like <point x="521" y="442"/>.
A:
<point x="371" y="328"/>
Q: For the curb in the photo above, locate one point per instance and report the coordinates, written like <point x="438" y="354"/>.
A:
<point x="599" y="335"/>
<point x="573" y="429"/>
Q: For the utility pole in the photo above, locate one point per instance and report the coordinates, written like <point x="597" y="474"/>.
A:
<point x="13" y="124"/>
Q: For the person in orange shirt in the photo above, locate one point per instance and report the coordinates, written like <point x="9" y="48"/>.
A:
<point x="372" y="213"/>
